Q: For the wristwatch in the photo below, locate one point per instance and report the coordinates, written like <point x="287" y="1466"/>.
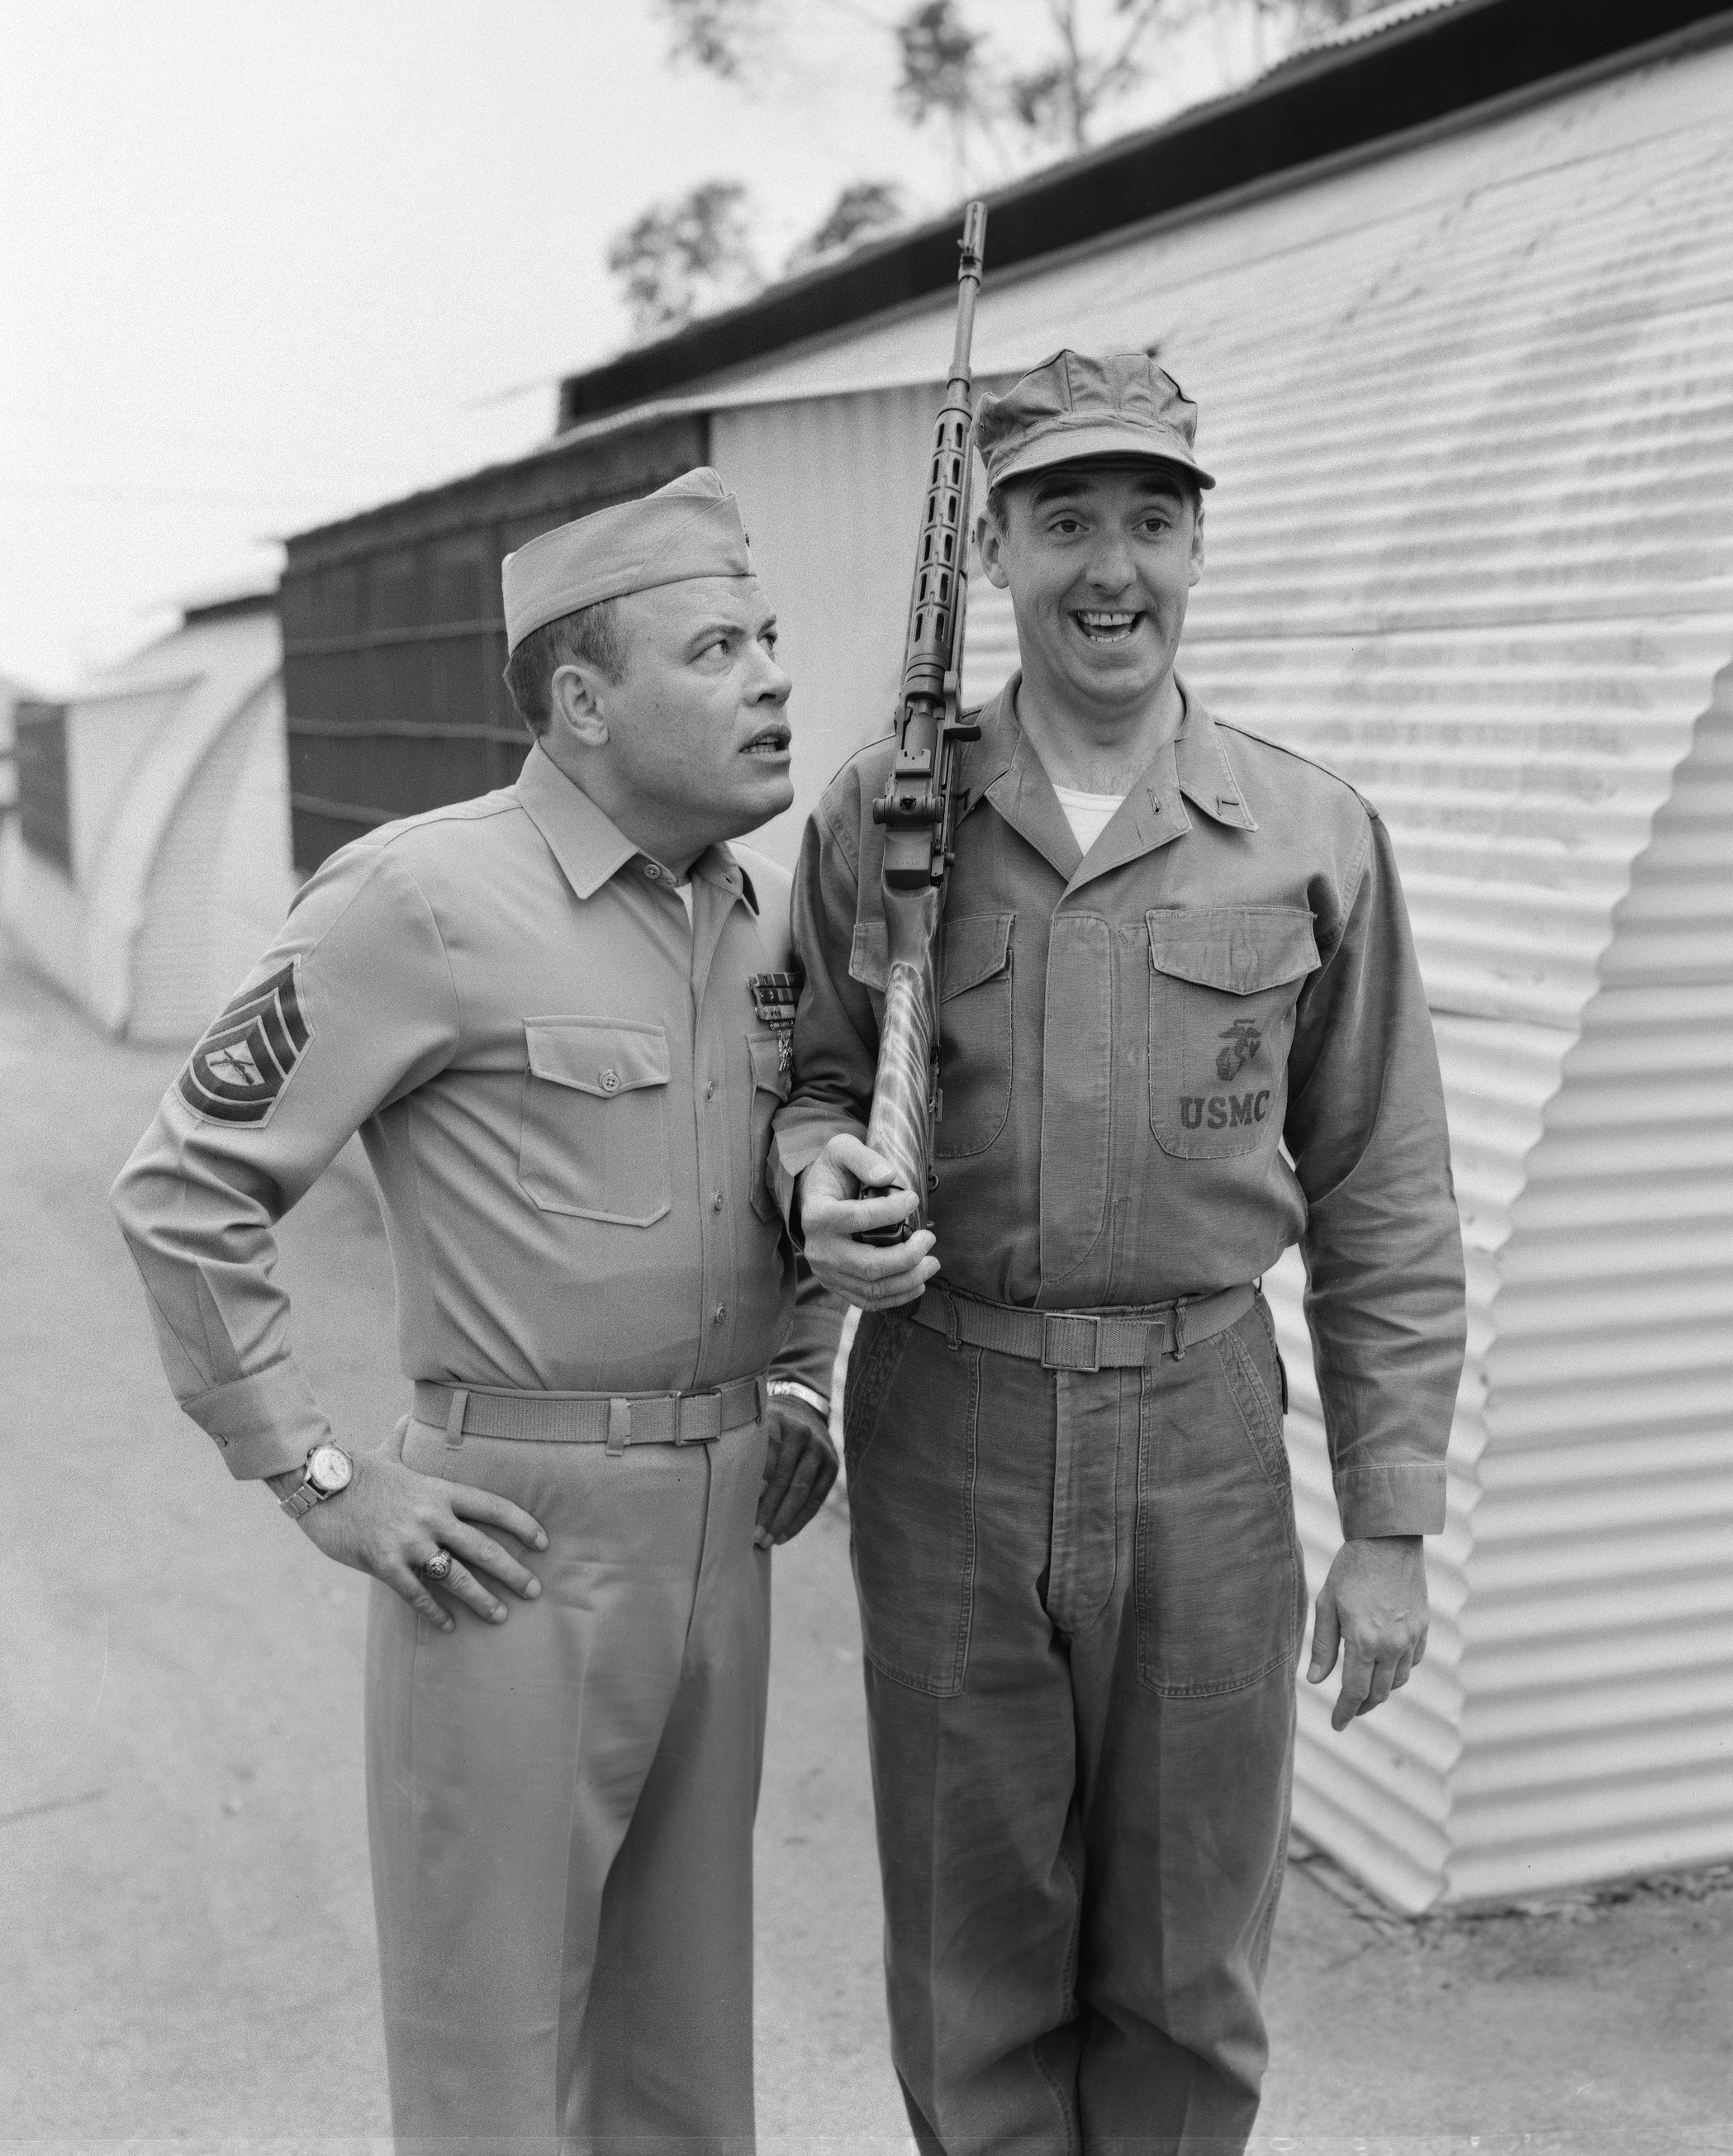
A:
<point x="329" y="1470"/>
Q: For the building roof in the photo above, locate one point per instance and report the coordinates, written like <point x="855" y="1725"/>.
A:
<point x="1389" y="74"/>
<point x="1372" y="24"/>
<point x="224" y="605"/>
<point x="1414" y="66"/>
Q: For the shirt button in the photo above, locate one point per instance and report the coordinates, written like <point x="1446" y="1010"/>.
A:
<point x="717" y="1201"/>
<point x="653" y="872"/>
<point x="721" y="1312"/>
<point x="710" y="1091"/>
<point x="610" y="1081"/>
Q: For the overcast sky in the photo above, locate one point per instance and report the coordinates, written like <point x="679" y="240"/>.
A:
<point x="265" y="264"/>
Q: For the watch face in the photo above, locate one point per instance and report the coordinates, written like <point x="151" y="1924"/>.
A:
<point x="328" y="1468"/>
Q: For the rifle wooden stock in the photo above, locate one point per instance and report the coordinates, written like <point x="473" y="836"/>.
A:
<point x="900" y="1128"/>
<point x="917" y="810"/>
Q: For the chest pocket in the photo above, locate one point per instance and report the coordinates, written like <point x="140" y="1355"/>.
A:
<point x="974" y="1023"/>
<point x="975" y="1073"/>
<point x="1223" y="983"/>
<point x="594" y="1137"/>
<point x="770" y="1085"/>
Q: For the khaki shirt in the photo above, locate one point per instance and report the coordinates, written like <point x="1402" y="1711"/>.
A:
<point x="1163" y="1063"/>
<point x="566" y="1095"/>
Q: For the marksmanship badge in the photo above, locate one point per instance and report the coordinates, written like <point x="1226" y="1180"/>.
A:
<point x="774" y="999"/>
<point x="238" y="1070"/>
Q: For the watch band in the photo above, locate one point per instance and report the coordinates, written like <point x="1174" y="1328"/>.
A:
<point x="794" y="1389"/>
<point x="302" y="1501"/>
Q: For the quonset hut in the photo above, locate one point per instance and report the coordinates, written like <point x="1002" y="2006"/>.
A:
<point x="1453" y="295"/>
<point x="148" y="863"/>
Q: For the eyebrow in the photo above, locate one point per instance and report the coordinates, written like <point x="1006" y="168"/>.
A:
<point x="719" y="626"/>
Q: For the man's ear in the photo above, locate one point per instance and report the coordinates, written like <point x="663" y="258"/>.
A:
<point x="575" y="705"/>
<point x="1196" y="545"/>
<point x="989" y="546"/>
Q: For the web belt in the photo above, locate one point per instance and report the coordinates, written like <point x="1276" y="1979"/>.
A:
<point x="615" y="1419"/>
<point x="1078" y="1340"/>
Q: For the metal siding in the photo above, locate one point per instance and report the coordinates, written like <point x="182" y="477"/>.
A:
<point x="835" y="559"/>
<point x="220" y="883"/>
<point x="1470" y="410"/>
<point x="1598" y="1729"/>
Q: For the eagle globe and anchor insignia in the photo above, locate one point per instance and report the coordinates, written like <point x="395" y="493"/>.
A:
<point x="239" y="1069"/>
<point x="1244" y="1038"/>
<point x="1221" y="1111"/>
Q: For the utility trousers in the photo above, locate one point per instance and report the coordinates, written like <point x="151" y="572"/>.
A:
<point x="561" y="1812"/>
<point x="1082" y="1599"/>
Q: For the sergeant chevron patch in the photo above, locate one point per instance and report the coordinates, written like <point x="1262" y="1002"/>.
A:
<point x="238" y="1070"/>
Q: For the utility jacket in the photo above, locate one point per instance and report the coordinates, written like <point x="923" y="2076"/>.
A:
<point x="1164" y="1062"/>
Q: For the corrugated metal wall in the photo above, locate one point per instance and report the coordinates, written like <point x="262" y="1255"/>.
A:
<point x="1597" y="1655"/>
<point x="220" y="883"/>
<point x="175" y="872"/>
<point x="1472" y="409"/>
<point x="843" y="625"/>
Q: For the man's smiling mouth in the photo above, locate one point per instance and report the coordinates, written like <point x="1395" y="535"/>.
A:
<point x="1102" y="626"/>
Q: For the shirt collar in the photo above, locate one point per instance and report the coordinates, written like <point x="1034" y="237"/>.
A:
<point x="992" y="757"/>
<point x="589" y="846"/>
<point x="1197" y="756"/>
<point x="1206" y="778"/>
<point x="717" y="864"/>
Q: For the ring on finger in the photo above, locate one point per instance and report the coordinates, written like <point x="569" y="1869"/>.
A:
<point x="437" y="1568"/>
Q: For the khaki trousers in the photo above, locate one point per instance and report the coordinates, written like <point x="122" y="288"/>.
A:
<point x="1081" y="1597"/>
<point x="560" y="1812"/>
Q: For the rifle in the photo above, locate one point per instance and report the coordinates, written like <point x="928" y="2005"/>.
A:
<point x="918" y="807"/>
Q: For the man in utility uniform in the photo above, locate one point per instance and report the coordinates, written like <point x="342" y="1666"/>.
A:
<point x="1170" y="949"/>
<point x="558" y="1017"/>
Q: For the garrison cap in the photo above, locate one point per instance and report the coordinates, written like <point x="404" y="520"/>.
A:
<point x="691" y="527"/>
<point x="1072" y="407"/>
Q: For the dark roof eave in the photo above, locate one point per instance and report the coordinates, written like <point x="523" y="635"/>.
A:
<point x="229" y="606"/>
<point x="1342" y="99"/>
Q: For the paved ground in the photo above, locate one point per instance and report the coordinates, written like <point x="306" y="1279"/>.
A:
<point x="186" y="1941"/>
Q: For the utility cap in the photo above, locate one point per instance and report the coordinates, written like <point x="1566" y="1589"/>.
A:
<point x="1072" y="407"/>
<point x="691" y="527"/>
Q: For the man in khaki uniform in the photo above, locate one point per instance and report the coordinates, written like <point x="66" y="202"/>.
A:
<point x="1182" y="1027"/>
<point x="558" y="1016"/>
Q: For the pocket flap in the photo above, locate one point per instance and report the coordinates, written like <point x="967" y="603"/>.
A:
<point x="1238" y="949"/>
<point x="869" y="955"/>
<point x="765" y="1050"/>
<point x="972" y="950"/>
<point x="599" y="1055"/>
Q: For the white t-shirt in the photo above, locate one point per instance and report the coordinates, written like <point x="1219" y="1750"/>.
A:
<point x="684" y="892"/>
<point x="1089" y="814"/>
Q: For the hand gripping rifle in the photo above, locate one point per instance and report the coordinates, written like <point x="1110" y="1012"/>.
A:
<point x="918" y="809"/>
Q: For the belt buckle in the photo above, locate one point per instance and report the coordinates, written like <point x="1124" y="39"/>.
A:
<point x="1070" y="1342"/>
<point x="680" y="1399"/>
